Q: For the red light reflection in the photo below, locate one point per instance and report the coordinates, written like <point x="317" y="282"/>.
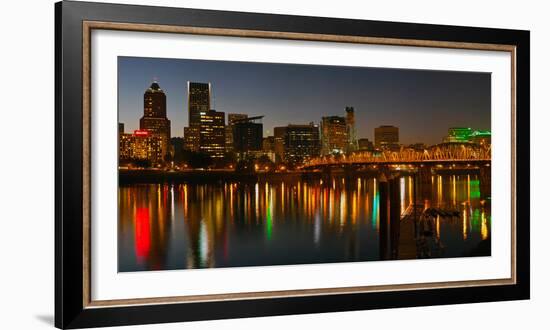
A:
<point x="142" y="233"/>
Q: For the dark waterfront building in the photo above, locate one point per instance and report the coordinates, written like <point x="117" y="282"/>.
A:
<point x="279" y="134"/>
<point x="231" y="118"/>
<point x="365" y="144"/>
<point x="268" y="147"/>
<point x="386" y="137"/>
<point x="350" y="130"/>
<point x="418" y="146"/>
<point x="154" y="115"/>
<point x="301" y="143"/>
<point x="268" y="144"/>
<point x="247" y="137"/>
<point x="334" y="135"/>
<point x="177" y="144"/>
<point x="212" y="133"/>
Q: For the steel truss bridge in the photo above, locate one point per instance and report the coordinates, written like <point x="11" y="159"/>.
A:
<point x="447" y="153"/>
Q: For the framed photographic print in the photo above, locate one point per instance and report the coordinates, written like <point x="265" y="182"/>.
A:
<point x="218" y="164"/>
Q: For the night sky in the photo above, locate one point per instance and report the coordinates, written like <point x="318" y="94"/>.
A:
<point x="423" y="104"/>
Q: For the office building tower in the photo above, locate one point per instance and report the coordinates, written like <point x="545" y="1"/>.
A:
<point x="350" y="130"/>
<point x="386" y="137"/>
<point x="248" y="137"/>
<point x="198" y="100"/>
<point x="302" y="142"/>
<point x="212" y="133"/>
<point x="334" y="135"/>
<point x="154" y="117"/>
<point x="231" y="119"/>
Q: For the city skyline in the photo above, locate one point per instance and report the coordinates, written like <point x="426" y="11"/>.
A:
<point x="275" y="166"/>
<point x="402" y="98"/>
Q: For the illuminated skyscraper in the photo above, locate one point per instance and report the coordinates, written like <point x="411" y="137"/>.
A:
<point x="350" y="129"/>
<point x="334" y="135"/>
<point x="154" y="117"/>
<point x="198" y="100"/>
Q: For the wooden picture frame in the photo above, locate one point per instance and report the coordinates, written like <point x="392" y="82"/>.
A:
<point x="74" y="307"/>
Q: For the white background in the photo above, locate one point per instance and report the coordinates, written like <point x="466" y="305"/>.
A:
<point x="27" y="165"/>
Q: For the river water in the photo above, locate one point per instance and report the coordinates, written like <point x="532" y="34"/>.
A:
<point x="182" y="226"/>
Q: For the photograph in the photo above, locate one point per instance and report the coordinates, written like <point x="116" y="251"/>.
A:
<point x="238" y="164"/>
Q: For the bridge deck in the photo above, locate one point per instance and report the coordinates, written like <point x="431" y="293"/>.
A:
<point x="396" y="162"/>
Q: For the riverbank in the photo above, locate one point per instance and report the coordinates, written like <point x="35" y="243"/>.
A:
<point x="206" y="176"/>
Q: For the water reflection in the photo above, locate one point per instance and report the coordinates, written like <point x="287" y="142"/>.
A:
<point x="177" y="226"/>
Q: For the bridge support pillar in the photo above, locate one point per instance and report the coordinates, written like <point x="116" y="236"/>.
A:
<point x="383" y="217"/>
<point x="424" y="183"/>
<point x="389" y="217"/>
<point x="395" y="216"/>
<point x="326" y="176"/>
<point x="485" y="182"/>
<point x="349" y="175"/>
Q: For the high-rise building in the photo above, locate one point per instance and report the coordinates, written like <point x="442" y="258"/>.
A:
<point x="154" y="115"/>
<point x="386" y="137"/>
<point x="334" y="135"/>
<point x="301" y="143"/>
<point x="365" y="144"/>
<point x="120" y="128"/>
<point x="231" y="119"/>
<point x="350" y="130"/>
<point x="279" y="134"/>
<point x="247" y="137"/>
<point x="212" y="133"/>
<point x="198" y="100"/>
